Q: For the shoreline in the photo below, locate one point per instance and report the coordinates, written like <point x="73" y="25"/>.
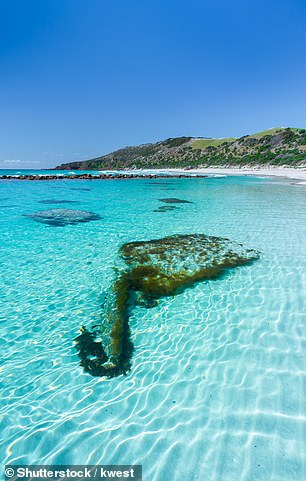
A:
<point x="286" y="173"/>
<point x="281" y="172"/>
<point x="297" y="175"/>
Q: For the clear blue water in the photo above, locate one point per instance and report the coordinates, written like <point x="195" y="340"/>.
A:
<point x="217" y="386"/>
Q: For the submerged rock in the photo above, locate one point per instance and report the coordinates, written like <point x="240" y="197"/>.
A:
<point x="62" y="217"/>
<point x="153" y="269"/>
<point x="174" y="200"/>
<point x="55" y="201"/>
<point x="166" y="208"/>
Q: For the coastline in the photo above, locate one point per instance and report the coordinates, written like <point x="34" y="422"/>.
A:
<point x="299" y="175"/>
<point x="286" y="173"/>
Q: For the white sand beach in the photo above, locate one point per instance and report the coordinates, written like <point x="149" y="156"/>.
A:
<point x="296" y="174"/>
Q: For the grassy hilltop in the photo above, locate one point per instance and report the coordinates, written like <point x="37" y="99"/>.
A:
<point x="277" y="147"/>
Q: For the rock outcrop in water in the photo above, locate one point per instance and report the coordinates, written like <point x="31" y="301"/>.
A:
<point x="153" y="269"/>
<point x="62" y="217"/>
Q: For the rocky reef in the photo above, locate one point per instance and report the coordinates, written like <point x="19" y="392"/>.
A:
<point x="152" y="269"/>
<point x="62" y="217"/>
<point x="99" y="176"/>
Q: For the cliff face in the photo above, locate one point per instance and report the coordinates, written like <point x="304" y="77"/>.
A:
<point x="284" y="146"/>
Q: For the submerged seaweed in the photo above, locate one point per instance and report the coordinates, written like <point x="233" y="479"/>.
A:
<point x="62" y="217"/>
<point x="154" y="269"/>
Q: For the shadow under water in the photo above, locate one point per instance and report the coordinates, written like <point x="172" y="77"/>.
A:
<point x="153" y="269"/>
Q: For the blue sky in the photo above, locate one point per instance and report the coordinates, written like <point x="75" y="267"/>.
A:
<point x="81" y="78"/>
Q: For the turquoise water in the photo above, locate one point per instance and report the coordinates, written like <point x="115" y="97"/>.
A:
<point x="217" y="386"/>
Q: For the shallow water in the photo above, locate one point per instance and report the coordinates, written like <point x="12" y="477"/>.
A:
<point x="217" y="385"/>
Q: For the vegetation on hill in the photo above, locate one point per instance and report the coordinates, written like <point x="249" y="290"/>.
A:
<point x="277" y="147"/>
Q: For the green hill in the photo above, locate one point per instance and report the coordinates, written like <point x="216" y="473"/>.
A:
<point x="278" y="147"/>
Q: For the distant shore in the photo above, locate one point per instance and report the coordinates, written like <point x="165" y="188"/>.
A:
<point x="296" y="174"/>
